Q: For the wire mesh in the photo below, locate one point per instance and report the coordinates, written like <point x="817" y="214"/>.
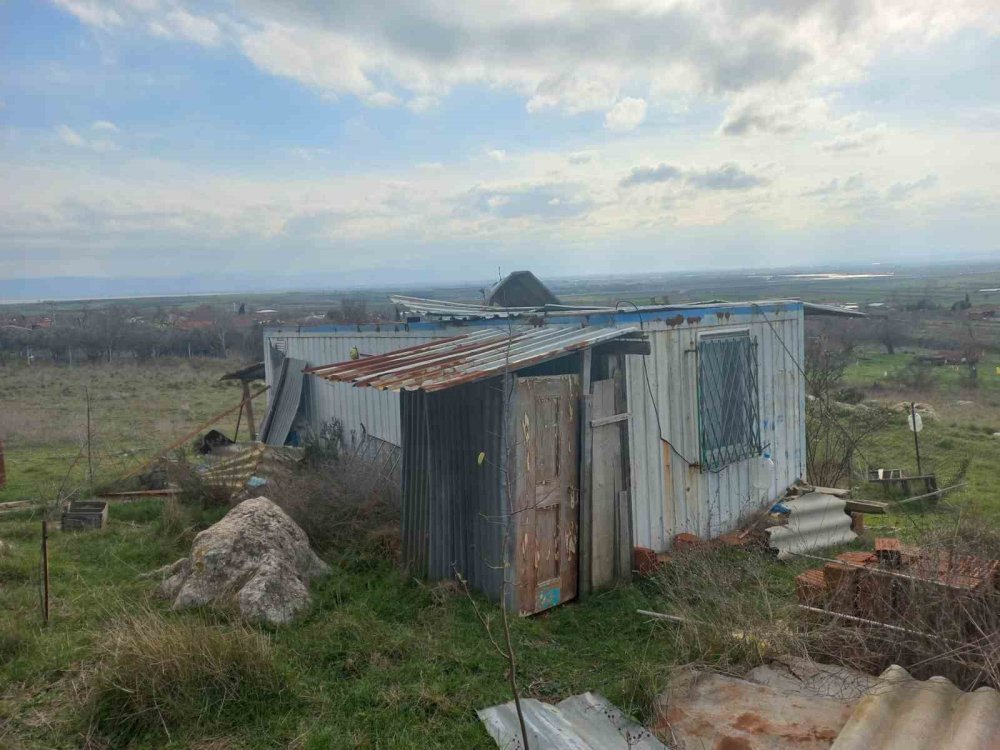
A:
<point x="728" y="398"/>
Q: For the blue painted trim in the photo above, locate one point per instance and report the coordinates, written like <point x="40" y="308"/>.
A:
<point x="595" y="319"/>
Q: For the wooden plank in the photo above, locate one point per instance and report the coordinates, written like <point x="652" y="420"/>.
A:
<point x="623" y="535"/>
<point x="836" y="492"/>
<point x="606" y="471"/>
<point x="866" y="506"/>
<point x="601" y="421"/>
<point x="586" y="499"/>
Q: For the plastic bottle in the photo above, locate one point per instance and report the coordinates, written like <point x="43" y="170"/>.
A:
<point x="763" y="478"/>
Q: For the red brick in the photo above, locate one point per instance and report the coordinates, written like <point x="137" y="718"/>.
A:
<point x="889" y="551"/>
<point x="810" y="588"/>
<point x="686" y="539"/>
<point x="644" y="561"/>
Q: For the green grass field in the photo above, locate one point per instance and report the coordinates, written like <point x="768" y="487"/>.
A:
<point x="137" y="409"/>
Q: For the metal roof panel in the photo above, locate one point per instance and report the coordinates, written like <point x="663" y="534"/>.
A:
<point x="474" y="356"/>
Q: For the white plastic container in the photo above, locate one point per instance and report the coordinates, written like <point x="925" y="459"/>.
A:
<point x="763" y="474"/>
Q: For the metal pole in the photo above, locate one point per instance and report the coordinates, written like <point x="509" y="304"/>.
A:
<point x="916" y="439"/>
<point x="90" y="463"/>
<point x="45" y="571"/>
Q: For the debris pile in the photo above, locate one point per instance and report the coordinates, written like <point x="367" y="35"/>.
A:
<point x="797" y="703"/>
<point x="884" y="585"/>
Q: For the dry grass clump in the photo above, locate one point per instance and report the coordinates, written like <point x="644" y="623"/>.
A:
<point x="341" y="509"/>
<point x="733" y="607"/>
<point x="154" y="675"/>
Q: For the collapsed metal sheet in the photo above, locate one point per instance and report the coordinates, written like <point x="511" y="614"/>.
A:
<point x="285" y="405"/>
<point x="582" y="722"/>
<point x="902" y="713"/>
<point x="815" y="521"/>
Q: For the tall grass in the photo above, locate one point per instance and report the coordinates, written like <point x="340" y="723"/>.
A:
<point x="154" y="674"/>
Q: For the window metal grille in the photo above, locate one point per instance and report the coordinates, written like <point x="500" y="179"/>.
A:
<point x="728" y="399"/>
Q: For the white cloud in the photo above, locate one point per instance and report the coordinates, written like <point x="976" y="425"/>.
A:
<point x="856" y="141"/>
<point x="69" y="136"/>
<point x="900" y="191"/>
<point x="104" y="125"/>
<point x="72" y="138"/>
<point x="563" y="55"/>
<point x="583" y="157"/>
<point x="423" y="103"/>
<point x="179" y="24"/>
<point x="497" y="154"/>
<point x="382" y="99"/>
<point x="626" y="115"/>
<point x="92" y="12"/>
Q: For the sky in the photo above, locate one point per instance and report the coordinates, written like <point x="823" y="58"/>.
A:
<point x="381" y="140"/>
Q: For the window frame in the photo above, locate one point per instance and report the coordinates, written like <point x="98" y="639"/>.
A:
<point x="717" y="457"/>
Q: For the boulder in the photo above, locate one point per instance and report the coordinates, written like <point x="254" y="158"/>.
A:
<point x="256" y="556"/>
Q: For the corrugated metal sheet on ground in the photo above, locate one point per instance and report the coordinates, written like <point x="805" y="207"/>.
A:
<point x="902" y="713"/>
<point x="285" y="404"/>
<point x="466" y="359"/>
<point x="816" y="521"/>
<point x="582" y="722"/>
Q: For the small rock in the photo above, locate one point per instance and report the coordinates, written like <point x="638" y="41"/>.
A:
<point x="256" y="556"/>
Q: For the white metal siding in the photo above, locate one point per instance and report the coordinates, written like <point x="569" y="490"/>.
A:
<point x="707" y="503"/>
<point x="357" y="408"/>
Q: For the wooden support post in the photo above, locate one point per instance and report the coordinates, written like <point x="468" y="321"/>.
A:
<point x="45" y="571"/>
<point x="90" y="463"/>
<point x="586" y="546"/>
<point x="916" y="438"/>
<point x="249" y="407"/>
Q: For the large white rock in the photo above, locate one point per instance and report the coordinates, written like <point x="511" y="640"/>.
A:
<point x="256" y="556"/>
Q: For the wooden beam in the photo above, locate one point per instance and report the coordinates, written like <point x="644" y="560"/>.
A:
<point x="601" y="421"/>
<point x="584" y="545"/>
<point x="866" y="506"/>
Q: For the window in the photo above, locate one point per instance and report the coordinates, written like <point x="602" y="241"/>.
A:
<point x="727" y="399"/>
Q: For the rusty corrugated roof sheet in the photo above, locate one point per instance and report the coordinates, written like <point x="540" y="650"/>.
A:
<point x="902" y="713"/>
<point x="474" y="356"/>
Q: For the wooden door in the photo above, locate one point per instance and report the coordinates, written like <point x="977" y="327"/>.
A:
<point x="546" y="469"/>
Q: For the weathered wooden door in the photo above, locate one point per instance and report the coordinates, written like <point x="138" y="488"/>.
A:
<point x="546" y="468"/>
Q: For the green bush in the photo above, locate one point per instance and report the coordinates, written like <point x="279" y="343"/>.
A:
<point x="155" y="675"/>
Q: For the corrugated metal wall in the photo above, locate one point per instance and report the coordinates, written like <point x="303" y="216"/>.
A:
<point x="669" y="496"/>
<point x="453" y="507"/>
<point x="377" y="410"/>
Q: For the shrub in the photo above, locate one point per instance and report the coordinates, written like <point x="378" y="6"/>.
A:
<point x="341" y="508"/>
<point x="154" y="675"/>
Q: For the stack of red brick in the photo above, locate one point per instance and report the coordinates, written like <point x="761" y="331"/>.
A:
<point x="884" y="584"/>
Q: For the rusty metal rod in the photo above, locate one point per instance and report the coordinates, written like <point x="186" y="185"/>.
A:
<point x="935" y="493"/>
<point x="876" y="623"/>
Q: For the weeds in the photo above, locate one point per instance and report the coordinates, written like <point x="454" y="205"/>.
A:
<point x="155" y="674"/>
<point x="734" y="610"/>
<point x="340" y="510"/>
